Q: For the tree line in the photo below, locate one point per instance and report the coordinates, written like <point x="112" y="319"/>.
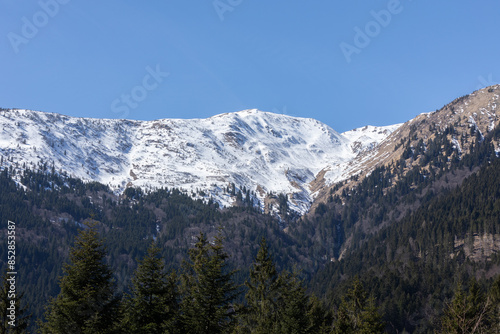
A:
<point x="200" y="297"/>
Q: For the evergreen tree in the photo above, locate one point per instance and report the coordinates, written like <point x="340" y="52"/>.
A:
<point x="87" y="301"/>
<point x="348" y="315"/>
<point x="371" y="321"/>
<point x="278" y="303"/>
<point x="153" y="305"/>
<point x="207" y="289"/>
<point x="9" y="325"/>
<point x="343" y="322"/>
<point x="455" y="318"/>
<point x="467" y="312"/>
<point x="320" y="321"/>
<point x="263" y="296"/>
<point x="295" y="306"/>
<point x="357" y="313"/>
<point x="494" y="295"/>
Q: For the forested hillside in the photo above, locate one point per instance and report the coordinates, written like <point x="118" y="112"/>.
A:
<point x="49" y="209"/>
<point x="413" y="241"/>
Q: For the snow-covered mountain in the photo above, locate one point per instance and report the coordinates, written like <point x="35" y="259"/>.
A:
<point x="261" y="151"/>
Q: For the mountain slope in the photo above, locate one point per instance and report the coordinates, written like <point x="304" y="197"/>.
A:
<point x="463" y="116"/>
<point x="412" y="266"/>
<point x="455" y="128"/>
<point x="258" y="151"/>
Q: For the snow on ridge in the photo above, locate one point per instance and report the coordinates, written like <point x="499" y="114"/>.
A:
<point x="369" y="136"/>
<point x="258" y="150"/>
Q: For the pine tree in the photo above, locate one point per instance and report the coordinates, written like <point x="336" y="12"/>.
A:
<point x="343" y="321"/>
<point x="153" y="305"/>
<point x="357" y="313"/>
<point x="454" y="319"/>
<point x="263" y="296"/>
<point x="87" y="301"/>
<point x="348" y="315"/>
<point x="8" y="325"/>
<point x="295" y="305"/>
<point x="467" y="312"/>
<point x="320" y="321"/>
<point x="278" y="303"/>
<point x="370" y="319"/>
<point x="207" y="289"/>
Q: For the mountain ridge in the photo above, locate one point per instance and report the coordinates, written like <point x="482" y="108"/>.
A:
<point x="263" y="152"/>
<point x="257" y="153"/>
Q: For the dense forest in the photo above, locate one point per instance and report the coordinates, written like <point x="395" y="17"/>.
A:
<point x="415" y="240"/>
<point x="419" y="261"/>
<point x="51" y="208"/>
<point x="201" y="297"/>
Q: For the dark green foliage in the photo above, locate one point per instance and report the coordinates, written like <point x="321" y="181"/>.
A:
<point x="357" y="313"/>
<point x="153" y="306"/>
<point x="87" y="301"/>
<point x="283" y="204"/>
<point x="409" y="240"/>
<point x="47" y="214"/>
<point x="206" y="294"/>
<point x="207" y="289"/>
<point x="494" y="295"/>
<point x="469" y="312"/>
<point x="295" y="307"/>
<point x="278" y="302"/>
<point x="263" y="296"/>
<point x="371" y="320"/>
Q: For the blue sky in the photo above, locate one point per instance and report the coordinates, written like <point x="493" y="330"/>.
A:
<point x="345" y="63"/>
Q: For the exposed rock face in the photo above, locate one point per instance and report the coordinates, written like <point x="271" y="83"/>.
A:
<point x="477" y="247"/>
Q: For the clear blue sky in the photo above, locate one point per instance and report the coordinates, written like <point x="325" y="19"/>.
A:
<point x="95" y="58"/>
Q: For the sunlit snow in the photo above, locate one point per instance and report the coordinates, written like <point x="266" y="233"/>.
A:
<point x="261" y="151"/>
